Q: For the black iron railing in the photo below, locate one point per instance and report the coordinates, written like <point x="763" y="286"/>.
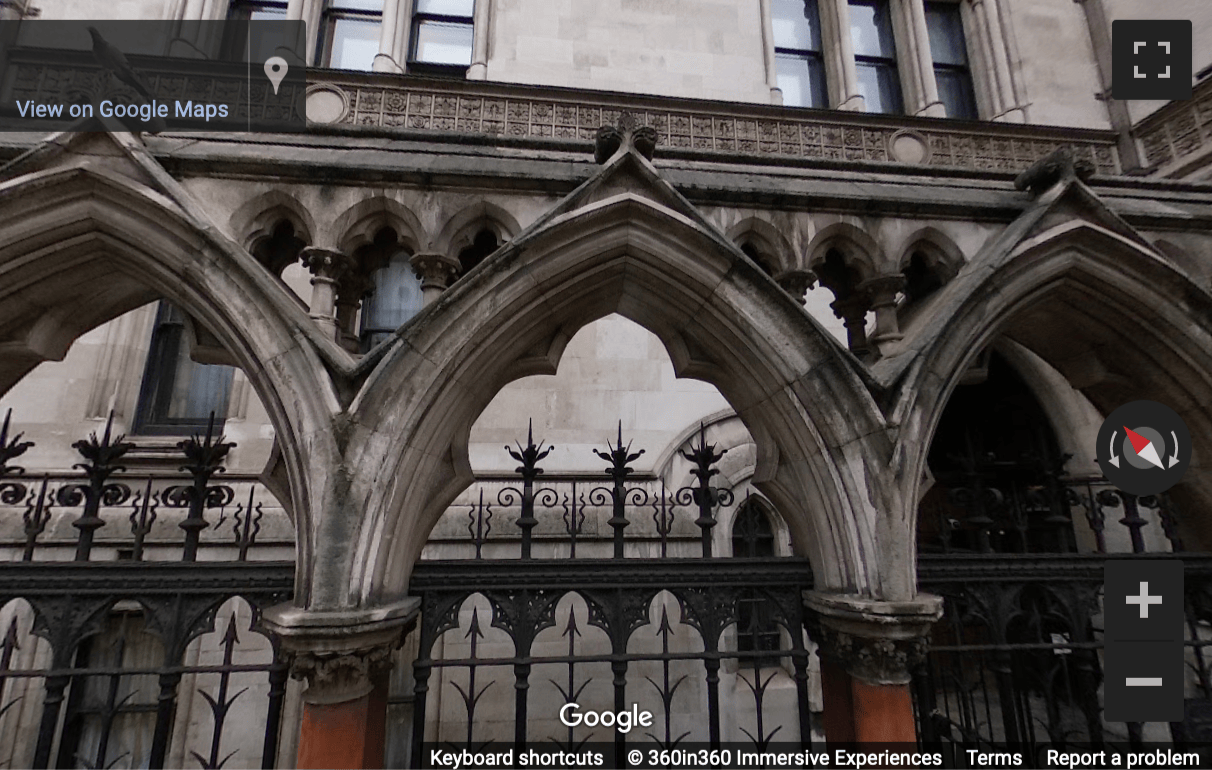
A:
<point x="92" y="552"/>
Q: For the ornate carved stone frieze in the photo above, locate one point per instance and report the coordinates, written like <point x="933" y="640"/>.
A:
<point x="336" y="677"/>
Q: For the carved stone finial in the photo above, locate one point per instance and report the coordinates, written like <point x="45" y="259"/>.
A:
<point x="628" y="130"/>
<point x="1057" y="166"/>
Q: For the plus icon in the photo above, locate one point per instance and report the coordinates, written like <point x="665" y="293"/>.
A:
<point x="1144" y="600"/>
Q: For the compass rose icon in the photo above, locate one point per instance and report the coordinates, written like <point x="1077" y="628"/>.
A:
<point x="1141" y="447"/>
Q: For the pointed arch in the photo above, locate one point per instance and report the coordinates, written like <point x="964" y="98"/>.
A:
<point x="357" y="225"/>
<point x="940" y="250"/>
<point x="461" y="229"/>
<point x="820" y="435"/>
<point x="80" y="246"/>
<point x="1134" y="327"/>
<point x="768" y="240"/>
<point x="257" y="218"/>
<point x="860" y="249"/>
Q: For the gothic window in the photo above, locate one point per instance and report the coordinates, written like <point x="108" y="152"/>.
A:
<point x="395" y="299"/>
<point x="875" y="55"/>
<point x="442" y="32"/>
<point x="350" y="30"/>
<point x="753" y="538"/>
<point x="797" y="53"/>
<point x="179" y="395"/>
<point x="950" y="55"/>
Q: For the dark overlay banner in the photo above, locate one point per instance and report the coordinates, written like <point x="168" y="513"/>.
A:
<point x="866" y="756"/>
<point x="152" y="76"/>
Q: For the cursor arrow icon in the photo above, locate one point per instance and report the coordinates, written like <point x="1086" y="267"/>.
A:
<point x="1174" y="457"/>
<point x="1144" y="448"/>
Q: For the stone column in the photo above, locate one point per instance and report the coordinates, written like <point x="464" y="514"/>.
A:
<point x="351" y="289"/>
<point x="326" y="267"/>
<point x="393" y="37"/>
<point x="882" y="291"/>
<point x="772" y="73"/>
<point x="436" y="271"/>
<point x="482" y="17"/>
<point x="796" y="282"/>
<point x="307" y="11"/>
<point x="839" y="55"/>
<point x="868" y="648"/>
<point x="346" y="660"/>
<point x="925" y="96"/>
<point x="995" y="78"/>
<point x="853" y="312"/>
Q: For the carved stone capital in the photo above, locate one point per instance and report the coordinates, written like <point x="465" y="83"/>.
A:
<point x="325" y="263"/>
<point x="336" y="677"/>
<point x="341" y="653"/>
<point x="436" y="270"/>
<point x="796" y="282"/>
<point x="882" y="289"/>
<point x="877" y="642"/>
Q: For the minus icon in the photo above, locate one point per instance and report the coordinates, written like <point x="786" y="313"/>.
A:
<point x="1144" y="681"/>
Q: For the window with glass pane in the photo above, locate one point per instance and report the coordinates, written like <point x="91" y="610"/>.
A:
<point x="950" y="54"/>
<point x="396" y="298"/>
<point x="797" y="53"/>
<point x="351" y="34"/>
<point x="875" y="55"/>
<point x="256" y="10"/>
<point x="442" y="32"/>
<point x="178" y="394"/>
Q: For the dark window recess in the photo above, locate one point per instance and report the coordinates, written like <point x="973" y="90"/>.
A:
<point x="875" y="56"/>
<point x="349" y="34"/>
<point x="481" y="246"/>
<point x="753" y="538"/>
<point x="762" y="260"/>
<point x="396" y="294"/>
<point x="179" y="395"/>
<point x="950" y="54"/>
<point x="279" y="249"/>
<point x="798" y="60"/>
<point x="442" y="34"/>
<point x="921" y="280"/>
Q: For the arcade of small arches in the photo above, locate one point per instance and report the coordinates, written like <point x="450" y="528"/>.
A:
<point x="422" y="307"/>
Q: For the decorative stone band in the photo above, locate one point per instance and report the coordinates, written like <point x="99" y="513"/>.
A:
<point x="878" y="642"/>
<point x="688" y="127"/>
<point x="341" y="653"/>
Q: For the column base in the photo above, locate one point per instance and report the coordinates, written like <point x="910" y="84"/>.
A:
<point x="346" y="658"/>
<point x="867" y="650"/>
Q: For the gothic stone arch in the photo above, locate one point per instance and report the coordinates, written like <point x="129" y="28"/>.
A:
<point x="626" y="243"/>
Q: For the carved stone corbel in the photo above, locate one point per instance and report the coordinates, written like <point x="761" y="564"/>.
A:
<point x="882" y="291"/>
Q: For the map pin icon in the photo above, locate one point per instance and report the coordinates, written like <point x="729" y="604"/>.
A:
<point x="275" y="70"/>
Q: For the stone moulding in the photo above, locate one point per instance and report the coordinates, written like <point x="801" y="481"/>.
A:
<point x="689" y="127"/>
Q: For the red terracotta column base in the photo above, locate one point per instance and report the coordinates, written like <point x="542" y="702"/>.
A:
<point x="349" y="734"/>
<point x="882" y="712"/>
